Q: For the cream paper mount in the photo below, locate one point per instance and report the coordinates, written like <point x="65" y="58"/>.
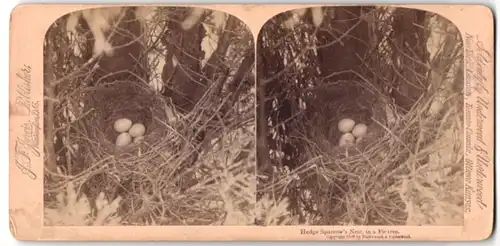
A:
<point x="251" y="122"/>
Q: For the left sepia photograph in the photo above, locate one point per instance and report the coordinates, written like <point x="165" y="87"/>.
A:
<point x="149" y="118"/>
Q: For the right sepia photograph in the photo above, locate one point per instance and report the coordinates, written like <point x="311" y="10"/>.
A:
<point x="360" y="118"/>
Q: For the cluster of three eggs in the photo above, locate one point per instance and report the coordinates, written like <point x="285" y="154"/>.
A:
<point x="128" y="132"/>
<point x="351" y="132"/>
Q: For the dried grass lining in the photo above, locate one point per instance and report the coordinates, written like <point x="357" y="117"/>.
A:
<point x="369" y="183"/>
<point x="354" y="179"/>
<point x="159" y="182"/>
<point x="155" y="177"/>
<point x="393" y="177"/>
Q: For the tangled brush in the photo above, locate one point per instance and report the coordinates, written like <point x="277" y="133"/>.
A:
<point x="385" y="178"/>
<point x="337" y="101"/>
<point x="160" y="166"/>
<point x="168" y="178"/>
<point x="191" y="168"/>
<point x="408" y="169"/>
<point x="330" y="174"/>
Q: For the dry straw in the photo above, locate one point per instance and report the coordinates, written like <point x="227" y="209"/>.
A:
<point x="172" y="177"/>
<point x="408" y="170"/>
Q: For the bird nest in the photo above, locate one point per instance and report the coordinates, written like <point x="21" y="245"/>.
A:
<point x="385" y="178"/>
<point x="152" y="170"/>
<point x="354" y="100"/>
<point x="361" y="184"/>
<point x="341" y="174"/>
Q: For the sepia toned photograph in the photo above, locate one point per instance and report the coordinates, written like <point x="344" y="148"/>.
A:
<point x="251" y="122"/>
<point x="148" y="118"/>
<point x="360" y="118"/>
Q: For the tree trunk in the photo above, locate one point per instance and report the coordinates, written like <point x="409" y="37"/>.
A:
<point x="412" y="55"/>
<point x="347" y="40"/>
<point x="128" y="61"/>
<point x="183" y="82"/>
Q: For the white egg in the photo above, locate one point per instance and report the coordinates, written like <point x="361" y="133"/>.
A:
<point x="360" y="130"/>
<point x="123" y="139"/>
<point x="138" y="139"/>
<point x="122" y="125"/>
<point x="346" y="125"/>
<point x="346" y="139"/>
<point x="137" y="130"/>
